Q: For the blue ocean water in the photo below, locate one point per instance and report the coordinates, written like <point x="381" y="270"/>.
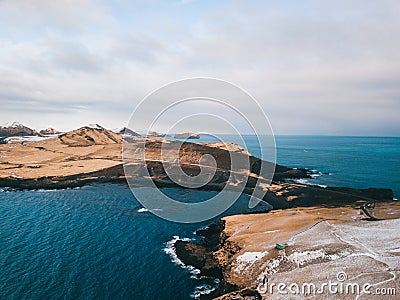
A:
<point x="358" y="162"/>
<point x="96" y="241"/>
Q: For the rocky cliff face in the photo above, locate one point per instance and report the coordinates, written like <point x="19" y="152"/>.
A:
<point x="321" y="243"/>
<point x="16" y="129"/>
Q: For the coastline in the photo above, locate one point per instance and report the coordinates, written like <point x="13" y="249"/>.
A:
<point x="240" y="249"/>
<point x="90" y="156"/>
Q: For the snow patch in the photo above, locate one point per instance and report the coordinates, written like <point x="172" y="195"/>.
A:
<point x="300" y="258"/>
<point x="21" y="139"/>
<point x="250" y="257"/>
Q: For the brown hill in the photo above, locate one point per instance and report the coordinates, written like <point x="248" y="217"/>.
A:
<point x="87" y="136"/>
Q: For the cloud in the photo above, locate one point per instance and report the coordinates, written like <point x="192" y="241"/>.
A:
<point x="332" y="63"/>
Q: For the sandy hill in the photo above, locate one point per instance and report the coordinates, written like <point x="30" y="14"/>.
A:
<point x="87" y="136"/>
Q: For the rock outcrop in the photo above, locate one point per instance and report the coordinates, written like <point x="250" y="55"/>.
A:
<point x="49" y="131"/>
<point x="126" y="131"/>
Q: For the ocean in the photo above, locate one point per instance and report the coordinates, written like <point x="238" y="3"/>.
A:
<point x="97" y="242"/>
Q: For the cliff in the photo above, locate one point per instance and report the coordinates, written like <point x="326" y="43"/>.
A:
<point x="321" y="243"/>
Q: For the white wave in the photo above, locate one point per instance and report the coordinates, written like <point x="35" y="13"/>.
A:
<point x="140" y="210"/>
<point x="6" y="189"/>
<point x="171" y="251"/>
<point x="204" y="289"/>
<point x="315" y="175"/>
<point x="302" y="181"/>
<point x="47" y="190"/>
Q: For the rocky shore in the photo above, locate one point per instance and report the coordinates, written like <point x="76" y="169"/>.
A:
<point x="92" y="155"/>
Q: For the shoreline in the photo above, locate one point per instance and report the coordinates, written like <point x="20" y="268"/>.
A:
<point x="237" y="252"/>
<point x="231" y="247"/>
<point x="89" y="155"/>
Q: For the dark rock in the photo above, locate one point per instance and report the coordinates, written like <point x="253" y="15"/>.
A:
<point x="212" y="235"/>
<point x="128" y="131"/>
<point x="199" y="257"/>
<point x="307" y="195"/>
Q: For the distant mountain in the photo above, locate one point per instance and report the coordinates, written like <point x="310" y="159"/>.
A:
<point x="187" y="135"/>
<point x="16" y="129"/>
<point x="125" y="130"/>
<point x="49" y="131"/>
<point x="155" y="134"/>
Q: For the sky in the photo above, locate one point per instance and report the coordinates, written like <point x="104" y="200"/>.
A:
<point x="315" y="67"/>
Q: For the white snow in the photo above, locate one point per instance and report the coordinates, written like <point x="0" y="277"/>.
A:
<point x="250" y="257"/>
<point x="300" y="258"/>
<point x="20" y="139"/>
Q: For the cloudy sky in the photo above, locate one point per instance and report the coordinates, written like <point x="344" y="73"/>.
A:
<point x="316" y="67"/>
